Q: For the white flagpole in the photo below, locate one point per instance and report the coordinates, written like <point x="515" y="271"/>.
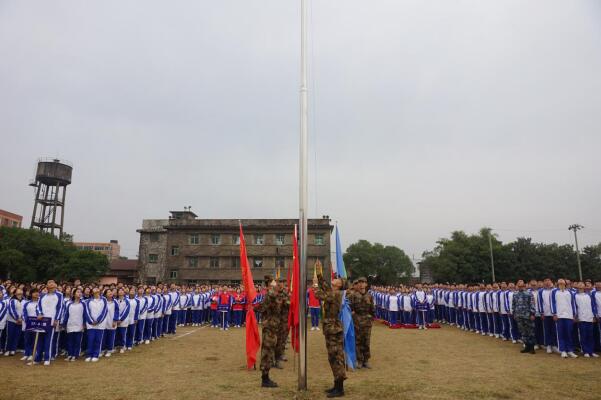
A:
<point x="303" y="196"/>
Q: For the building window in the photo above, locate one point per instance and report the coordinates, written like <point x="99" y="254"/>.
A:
<point x="192" y="262"/>
<point x="258" y="262"/>
<point x="319" y="239"/>
<point x="280" y="239"/>
<point x="235" y="239"/>
<point x="259" y="239"/>
<point x="175" y="250"/>
<point x="154" y="237"/>
<point x="153" y="258"/>
<point x="235" y="262"/>
<point x="194" y="238"/>
<point x="214" y="262"/>
<point x="215" y="238"/>
<point x="280" y="262"/>
<point x="173" y="274"/>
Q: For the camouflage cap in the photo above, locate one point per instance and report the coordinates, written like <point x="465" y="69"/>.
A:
<point x="361" y="279"/>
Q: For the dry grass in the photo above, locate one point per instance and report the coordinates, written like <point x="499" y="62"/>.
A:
<point x="204" y="363"/>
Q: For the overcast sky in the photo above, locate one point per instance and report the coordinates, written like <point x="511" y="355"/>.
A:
<point x="426" y="116"/>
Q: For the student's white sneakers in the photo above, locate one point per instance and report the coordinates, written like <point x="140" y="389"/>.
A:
<point x="23" y="358"/>
<point x="549" y="350"/>
<point x="564" y="354"/>
<point x="147" y="342"/>
<point x="46" y="363"/>
<point x="94" y="359"/>
<point x="536" y="347"/>
<point x="572" y="354"/>
<point x="108" y="354"/>
<point x="317" y="328"/>
<point x="595" y="355"/>
<point x="514" y="341"/>
<point x="122" y="351"/>
<point x="586" y="356"/>
<point x="88" y="359"/>
<point x="30" y="358"/>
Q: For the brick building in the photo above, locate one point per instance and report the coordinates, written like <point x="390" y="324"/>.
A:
<point x="186" y="249"/>
<point x="11" y="220"/>
<point x="124" y="271"/>
<point x="111" y="249"/>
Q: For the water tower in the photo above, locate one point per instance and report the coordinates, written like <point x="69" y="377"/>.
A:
<point x="51" y="180"/>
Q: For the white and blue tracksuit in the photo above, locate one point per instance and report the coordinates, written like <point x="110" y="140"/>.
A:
<point x="30" y="310"/>
<point x="50" y="306"/>
<point x="3" y="318"/>
<point x="151" y="303"/>
<point x="73" y="320"/>
<point x="586" y="310"/>
<point x="563" y="306"/>
<point x="112" y="316"/>
<point x="13" y="323"/>
<point x="549" y="327"/>
<point x="142" y="308"/>
<point x="96" y="311"/>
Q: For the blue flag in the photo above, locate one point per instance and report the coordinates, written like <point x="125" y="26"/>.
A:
<point x="348" y="330"/>
<point x="340" y="270"/>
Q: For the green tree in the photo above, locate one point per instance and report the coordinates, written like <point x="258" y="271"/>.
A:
<point x="84" y="265"/>
<point x="386" y="265"/>
<point x="31" y="255"/>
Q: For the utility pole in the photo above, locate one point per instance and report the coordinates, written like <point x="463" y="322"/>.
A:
<point x="492" y="259"/>
<point x="576" y="228"/>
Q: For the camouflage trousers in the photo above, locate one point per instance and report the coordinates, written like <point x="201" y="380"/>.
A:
<point x="362" y="341"/>
<point x="526" y="329"/>
<point x="282" y="338"/>
<point x="268" y="346"/>
<point x="336" y="355"/>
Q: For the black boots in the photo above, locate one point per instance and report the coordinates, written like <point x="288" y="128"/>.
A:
<point x="529" y="348"/>
<point x="338" y="389"/>
<point x="266" y="382"/>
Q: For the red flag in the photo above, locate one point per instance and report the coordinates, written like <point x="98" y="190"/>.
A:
<point x="293" y="317"/>
<point x="252" y="330"/>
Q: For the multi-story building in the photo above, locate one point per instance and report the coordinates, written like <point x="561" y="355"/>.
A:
<point x="186" y="249"/>
<point x="111" y="249"/>
<point x="10" y="219"/>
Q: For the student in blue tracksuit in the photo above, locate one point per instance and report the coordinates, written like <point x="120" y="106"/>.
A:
<point x="150" y="305"/>
<point x="50" y="306"/>
<point x="133" y="319"/>
<point x="14" y="322"/>
<point x="167" y="312"/>
<point x="123" y="320"/>
<point x="175" y="308"/>
<point x="586" y="310"/>
<point x="3" y="317"/>
<point x="563" y="307"/>
<point x="73" y="320"/>
<point x="30" y="310"/>
<point x="142" y="308"/>
<point x="95" y="315"/>
<point x="157" y="326"/>
<point x="110" y="327"/>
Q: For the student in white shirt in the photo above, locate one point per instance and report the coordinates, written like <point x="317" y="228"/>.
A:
<point x="73" y="320"/>
<point x="586" y="310"/>
<point x="110" y="327"/>
<point x="14" y="321"/>
<point x="132" y="320"/>
<point x="123" y="321"/>
<point x="30" y="310"/>
<point x="563" y="307"/>
<point x="50" y="306"/>
<point x="95" y="316"/>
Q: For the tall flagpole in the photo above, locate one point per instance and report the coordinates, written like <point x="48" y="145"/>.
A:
<point x="303" y="196"/>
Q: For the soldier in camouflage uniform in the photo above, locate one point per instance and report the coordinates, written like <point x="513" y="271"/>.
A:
<point x="270" y="310"/>
<point x="363" y="308"/>
<point x="524" y="315"/>
<point x="331" y="298"/>
<point x="283" y="333"/>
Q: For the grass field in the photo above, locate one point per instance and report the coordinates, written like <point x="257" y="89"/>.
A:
<point x="204" y="363"/>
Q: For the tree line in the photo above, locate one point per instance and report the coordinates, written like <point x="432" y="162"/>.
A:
<point x="466" y="258"/>
<point x="28" y="255"/>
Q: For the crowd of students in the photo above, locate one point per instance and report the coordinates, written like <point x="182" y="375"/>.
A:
<point x="566" y="315"/>
<point x="97" y="320"/>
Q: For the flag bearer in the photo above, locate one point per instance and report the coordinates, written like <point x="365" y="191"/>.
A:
<point x="270" y="313"/>
<point x="363" y="307"/>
